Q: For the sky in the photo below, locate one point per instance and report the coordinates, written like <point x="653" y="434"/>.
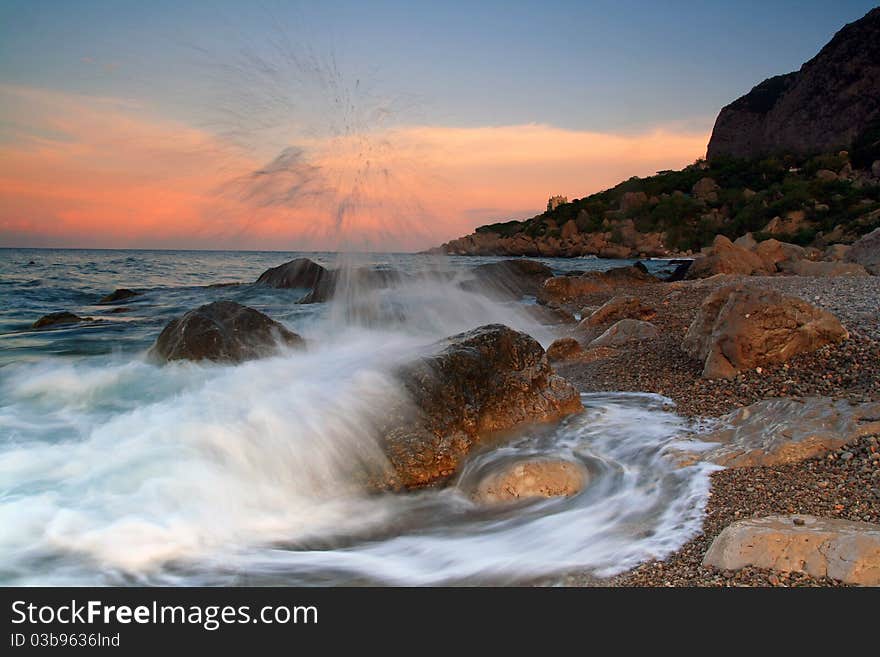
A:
<point x="358" y="125"/>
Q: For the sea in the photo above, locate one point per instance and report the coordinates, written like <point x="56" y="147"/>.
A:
<point x="115" y="470"/>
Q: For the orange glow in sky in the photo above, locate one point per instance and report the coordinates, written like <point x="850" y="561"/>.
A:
<point x="84" y="171"/>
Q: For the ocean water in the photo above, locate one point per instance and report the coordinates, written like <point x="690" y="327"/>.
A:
<point x="114" y="470"/>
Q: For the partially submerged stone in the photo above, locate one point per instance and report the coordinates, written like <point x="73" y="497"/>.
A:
<point x="784" y="430"/>
<point x="298" y="273"/>
<point x="222" y="331"/>
<point x="844" y="550"/>
<point x="57" y="319"/>
<point x="119" y="295"/>
<point x="532" y="479"/>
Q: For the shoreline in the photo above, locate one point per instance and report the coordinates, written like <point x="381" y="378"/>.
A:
<point x="825" y="485"/>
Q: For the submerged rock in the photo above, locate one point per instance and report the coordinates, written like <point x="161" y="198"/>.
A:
<point x="119" y="295"/>
<point x="778" y="431"/>
<point x="510" y="278"/>
<point x="222" y="331"/>
<point x="532" y="479"/>
<point x="298" y="273"/>
<point x="54" y="319"/>
<point x="844" y="550"/>
<point x="488" y="380"/>
<point x="353" y="281"/>
<point x="740" y="327"/>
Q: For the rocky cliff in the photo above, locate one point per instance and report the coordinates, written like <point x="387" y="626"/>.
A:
<point x="827" y="105"/>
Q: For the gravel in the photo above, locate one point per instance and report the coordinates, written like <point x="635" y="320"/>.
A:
<point x="842" y="484"/>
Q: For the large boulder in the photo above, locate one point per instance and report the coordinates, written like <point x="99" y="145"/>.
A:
<point x="57" y="319"/>
<point x="810" y="268"/>
<point x="474" y="385"/>
<point x="510" y="278"/>
<point x="566" y="289"/>
<point x="536" y="478"/>
<point x="785" y="430"/>
<point x="222" y="331"/>
<point x="844" y="550"/>
<point x="746" y="242"/>
<point x="866" y="252"/>
<point x="624" y="331"/>
<point x="298" y="273"/>
<point x="617" y="308"/>
<point x="724" y="257"/>
<point x="740" y="327"/>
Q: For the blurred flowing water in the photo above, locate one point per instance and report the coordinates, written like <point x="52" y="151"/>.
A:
<point x="116" y="471"/>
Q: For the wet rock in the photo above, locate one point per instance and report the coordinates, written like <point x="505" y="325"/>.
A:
<point x="810" y="268"/>
<point x="476" y="384"/>
<point x="119" y="295"/>
<point x="866" y="252"/>
<point x="626" y="330"/>
<point x="844" y="550"/>
<point x="724" y="257"/>
<point x="298" y="273"/>
<point x="619" y="307"/>
<point x="510" y="278"/>
<point x="539" y="478"/>
<point x="565" y="289"/>
<point x="222" y="331"/>
<point x="56" y="319"/>
<point x="564" y="349"/>
<point x="777" y="431"/>
<point x="354" y="282"/>
<point x="740" y="327"/>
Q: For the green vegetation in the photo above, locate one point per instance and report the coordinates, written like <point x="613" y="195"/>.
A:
<point x="751" y="193"/>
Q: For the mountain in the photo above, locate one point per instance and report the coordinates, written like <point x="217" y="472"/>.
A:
<point x="826" y="105"/>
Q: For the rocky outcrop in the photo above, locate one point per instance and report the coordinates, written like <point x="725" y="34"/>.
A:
<point x="298" y="273"/>
<point x="510" y="278"/>
<point x="56" y="319"/>
<point x="844" y="550"/>
<point x="222" y="331"/>
<point x="474" y="385"/>
<point x="740" y="327"/>
<point x="866" y="252"/>
<point x="825" y="105"/>
<point x="118" y="295"/>
<point x="617" y="308"/>
<point x="624" y="331"/>
<point x="566" y="289"/>
<point x="724" y="257"/>
<point x="533" y="479"/>
<point x="564" y="349"/>
<point x="784" y="430"/>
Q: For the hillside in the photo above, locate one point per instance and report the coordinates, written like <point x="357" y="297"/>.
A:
<point x="797" y="158"/>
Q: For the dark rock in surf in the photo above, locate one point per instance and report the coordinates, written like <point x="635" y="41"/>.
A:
<point x="509" y="278"/>
<point x="487" y="380"/>
<point x="299" y="273"/>
<point x="353" y="281"/>
<point x="222" y="331"/>
<point x="55" y="319"/>
<point x="119" y="295"/>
